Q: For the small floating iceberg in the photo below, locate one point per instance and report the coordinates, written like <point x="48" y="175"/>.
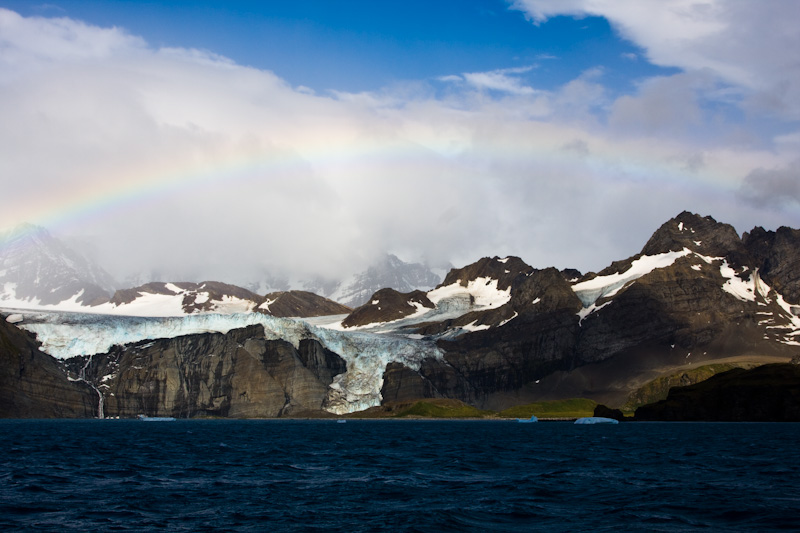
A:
<point x="527" y="420"/>
<point x="156" y="418"/>
<point x="596" y="420"/>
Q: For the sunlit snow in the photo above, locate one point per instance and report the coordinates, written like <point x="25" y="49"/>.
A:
<point x="602" y="286"/>
<point x="484" y="292"/>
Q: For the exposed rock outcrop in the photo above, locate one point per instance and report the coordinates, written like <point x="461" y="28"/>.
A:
<point x="300" y="304"/>
<point x="504" y="270"/>
<point x="777" y="254"/>
<point x="35" y="385"/>
<point x="387" y="305"/>
<point x="769" y="393"/>
<point x="197" y="297"/>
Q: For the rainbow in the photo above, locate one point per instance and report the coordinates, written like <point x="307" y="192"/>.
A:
<point x="147" y="182"/>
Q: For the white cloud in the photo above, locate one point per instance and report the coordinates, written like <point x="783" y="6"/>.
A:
<point x="185" y="161"/>
<point x="750" y="44"/>
<point x="503" y="80"/>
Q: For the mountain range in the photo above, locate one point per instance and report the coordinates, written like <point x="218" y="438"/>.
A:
<point x="37" y="270"/>
<point x="493" y="334"/>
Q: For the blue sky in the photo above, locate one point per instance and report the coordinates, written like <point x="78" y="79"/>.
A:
<point x="561" y="131"/>
<point x="366" y="45"/>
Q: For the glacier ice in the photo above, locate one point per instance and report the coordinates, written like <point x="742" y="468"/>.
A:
<point x="366" y="353"/>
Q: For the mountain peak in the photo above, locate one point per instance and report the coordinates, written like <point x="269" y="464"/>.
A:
<point x="36" y="267"/>
<point x="505" y="270"/>
<point x="703" y="235"/>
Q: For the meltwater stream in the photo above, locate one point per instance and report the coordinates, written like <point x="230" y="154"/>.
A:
<point x="367" y="353"/>
<point x="278" y="475"/>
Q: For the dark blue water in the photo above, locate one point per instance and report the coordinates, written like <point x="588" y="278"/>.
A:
<point x="397" y="476"/>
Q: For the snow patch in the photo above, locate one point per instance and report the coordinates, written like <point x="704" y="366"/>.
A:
<point x="586" y="311"/>
<point x="201" y="298"/>
<point x="174" y="288"/>
<point x="506" y="321"/>
<point x="603" y="286"/>
<point x="741" y="289"/>
<point x="472" y="327"/>
<point x="483" y="291"/>
<point x="267" y="303"/>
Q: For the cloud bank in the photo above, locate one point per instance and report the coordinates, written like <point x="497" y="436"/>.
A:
<point x="184" y="162"/>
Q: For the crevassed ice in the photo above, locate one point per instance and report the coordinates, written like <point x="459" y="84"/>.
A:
<point x="367" y="354"/>
<point x="592" y="290"/>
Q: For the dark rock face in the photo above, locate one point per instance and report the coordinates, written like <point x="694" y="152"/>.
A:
<point x="505" y="271"/>
<point x="239" y="374"/>
<point x="34" y="385"/>
<point x="687" y="230"/>
<point x="770" y="393"/>
<point x="606" y="412"/>
<point x="300" y="304"/>
<point x="538" y="337"/>
<point x="400" y="383"/>
<point x="387" y="305"/>
<point x="777" y="254"/>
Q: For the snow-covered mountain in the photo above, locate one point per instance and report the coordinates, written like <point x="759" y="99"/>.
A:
<point x="389" y="272"/>
<point x="37" y="269"/>
<point x="494" y="333"/>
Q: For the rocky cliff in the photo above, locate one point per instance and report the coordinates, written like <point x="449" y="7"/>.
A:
<point x="35" y="385"/>
<point x="239" y="374"/>
<point x="769" y="393"/>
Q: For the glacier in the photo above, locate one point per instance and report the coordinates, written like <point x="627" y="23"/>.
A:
<point x="65" y="335"/>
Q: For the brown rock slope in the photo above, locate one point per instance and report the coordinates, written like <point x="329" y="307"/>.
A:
<point x="300" y="304"/>
<point x="34" y="385"/>
<point x="196" y="297"/>
<point x="387" y="305"/>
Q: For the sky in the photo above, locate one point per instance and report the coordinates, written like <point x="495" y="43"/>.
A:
<point x="237" y="140"/>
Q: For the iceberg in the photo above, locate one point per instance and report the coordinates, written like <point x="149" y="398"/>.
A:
<point x="528" y="420"/>
<point x="596" y="420"/>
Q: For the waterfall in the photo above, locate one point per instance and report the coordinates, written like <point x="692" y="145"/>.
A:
<point x="101" y="399"/>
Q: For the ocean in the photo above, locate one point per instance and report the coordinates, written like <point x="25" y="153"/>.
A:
<point x="390" y="475"/>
